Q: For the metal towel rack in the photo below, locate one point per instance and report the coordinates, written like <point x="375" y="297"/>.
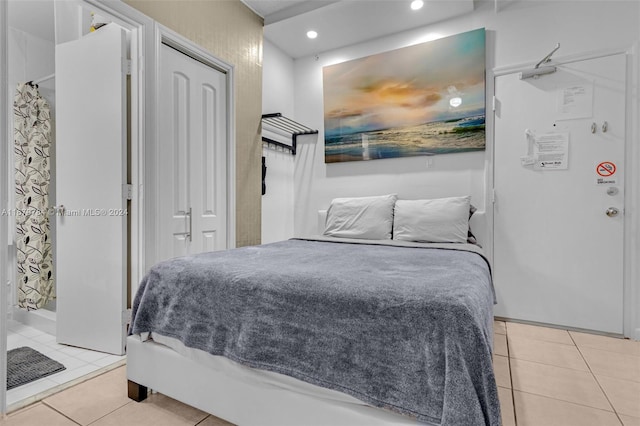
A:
<point x="288" y="126"/>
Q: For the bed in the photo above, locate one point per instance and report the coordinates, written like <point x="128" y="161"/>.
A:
<point x="329" y="330"/>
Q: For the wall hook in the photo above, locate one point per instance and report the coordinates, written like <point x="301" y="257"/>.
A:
<point x="605" y="126"/>
<point x="594" y="127"/>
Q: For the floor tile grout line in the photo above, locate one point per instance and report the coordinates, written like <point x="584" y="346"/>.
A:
<point x="612" y="411"/>
<point x="86" y="381"/>
<point x="111" y="412"/>
<point x="551" y="365"/>
<point x="543" y="341"/>
<point x="200" y="422"/>
<point x="604" y="350"/>
<point x="537" y="339"/>
<point x="513" y="395"/>
<point x="573" y="344"/>
<point x="597" y="381"/>
<point x="557" y="399"/>
<point x="59" y="412"/>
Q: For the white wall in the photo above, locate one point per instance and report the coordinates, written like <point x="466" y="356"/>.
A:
<point x="278" y="202"/>
<point x="521" y="32"/>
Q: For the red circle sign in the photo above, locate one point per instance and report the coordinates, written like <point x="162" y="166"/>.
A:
<point x="606" y="168"/>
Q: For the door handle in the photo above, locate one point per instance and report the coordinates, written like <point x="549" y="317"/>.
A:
<point x="188" y="217"/>
<point x="612" y="212"/>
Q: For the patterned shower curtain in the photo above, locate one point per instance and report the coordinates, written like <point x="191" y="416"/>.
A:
<point x="32" y="144"/>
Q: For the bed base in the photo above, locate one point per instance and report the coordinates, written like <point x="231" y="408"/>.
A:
<point x="240" y="399"/>
<point x="136" y="391"/>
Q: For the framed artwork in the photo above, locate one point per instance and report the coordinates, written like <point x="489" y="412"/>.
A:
<point x="424" y="99"/>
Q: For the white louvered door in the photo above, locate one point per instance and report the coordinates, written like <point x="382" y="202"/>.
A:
<point x="192" y="151"/>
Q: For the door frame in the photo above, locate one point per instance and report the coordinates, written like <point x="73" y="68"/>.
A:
<point x="164" y="35"/>
<point x="142" y="130"/>
<point x="4" y="186"/>
<point x="631" y="243"/>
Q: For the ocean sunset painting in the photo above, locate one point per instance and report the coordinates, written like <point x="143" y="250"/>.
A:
<point x="424" y="99"/>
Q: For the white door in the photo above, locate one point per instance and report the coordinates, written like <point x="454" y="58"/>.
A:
<point x="90" y="173"/>
<point x="558" y="255"/>
<point x="193" y="155"/>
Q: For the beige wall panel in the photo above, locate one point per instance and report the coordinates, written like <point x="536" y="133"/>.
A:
<point x="233" y="33"/>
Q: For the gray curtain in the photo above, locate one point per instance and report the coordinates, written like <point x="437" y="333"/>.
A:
<point x="32" y="145"/>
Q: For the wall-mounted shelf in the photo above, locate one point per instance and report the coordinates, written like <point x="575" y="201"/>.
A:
<point x="283" y="124"/>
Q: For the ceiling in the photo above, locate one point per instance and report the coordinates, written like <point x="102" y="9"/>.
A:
<point x="338" y="22"/>
<point x="34" y="17"/>
<point x="344" y="22"/>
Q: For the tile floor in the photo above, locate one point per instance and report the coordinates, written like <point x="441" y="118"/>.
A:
<point x="545" y="377"/>
<point x="548" y="376"/>
<point x="103" y="401"/>
<point x="78" y="362"/>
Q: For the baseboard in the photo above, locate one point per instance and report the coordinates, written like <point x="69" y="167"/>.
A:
<point x="41" y="319"/>
<point x="564" y="327"/>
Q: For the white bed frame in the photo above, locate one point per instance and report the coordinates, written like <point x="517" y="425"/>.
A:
<point x="245" y="396"/>
<point x="241" y="395"/>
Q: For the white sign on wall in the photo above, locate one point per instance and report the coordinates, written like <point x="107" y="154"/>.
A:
<point x="606" y="173"/>
<point x="551" y="151"/>
<point x="575" y="101"/>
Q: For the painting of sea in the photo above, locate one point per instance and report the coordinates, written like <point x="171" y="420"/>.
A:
<point x="424" y="99"/>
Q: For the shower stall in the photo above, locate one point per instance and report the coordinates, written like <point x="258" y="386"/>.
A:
<point x="69" y="181"/>
<point x="68" y="266"/>
<point x="31" y="81"/>
<point x="73" y="101"/>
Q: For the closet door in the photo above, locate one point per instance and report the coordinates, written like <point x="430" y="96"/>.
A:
<point x="559" y="228"/>
<point x="90" y="174"/>
<point x="192" y="147"/>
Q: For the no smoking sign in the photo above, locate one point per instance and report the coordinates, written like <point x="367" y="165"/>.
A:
<point x="606" y="171"/>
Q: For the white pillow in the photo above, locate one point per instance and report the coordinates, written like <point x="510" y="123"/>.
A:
<point x="442" y="220"/>
<point x="369" y="218"/>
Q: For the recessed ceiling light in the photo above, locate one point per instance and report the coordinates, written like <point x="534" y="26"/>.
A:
<point x="312" y="34"/>
<point x="417" y="4"/>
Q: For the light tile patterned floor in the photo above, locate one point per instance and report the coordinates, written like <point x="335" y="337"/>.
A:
<point x="103" y="401"/>
<point x="78" y="363"/>
<point x="545" y="377"/>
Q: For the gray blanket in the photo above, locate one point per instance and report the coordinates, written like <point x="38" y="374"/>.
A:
<point x="404" y="328"/>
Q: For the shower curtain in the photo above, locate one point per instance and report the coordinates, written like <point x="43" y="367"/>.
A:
<point x="32" y="144"/>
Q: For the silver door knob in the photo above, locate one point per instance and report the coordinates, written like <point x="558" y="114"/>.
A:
<point x="612" y="211"/>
